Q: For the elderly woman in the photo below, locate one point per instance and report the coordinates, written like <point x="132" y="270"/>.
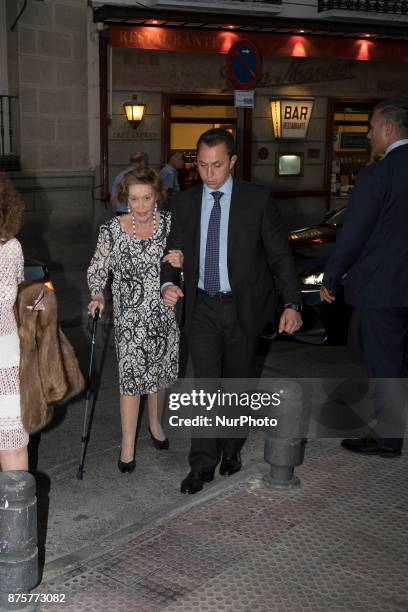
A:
<point x="13" y="437"/>
<point x="146" y="334"/>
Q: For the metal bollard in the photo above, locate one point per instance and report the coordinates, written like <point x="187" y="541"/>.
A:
<point x="18" y="539"/>
<point x="285" y="445"/>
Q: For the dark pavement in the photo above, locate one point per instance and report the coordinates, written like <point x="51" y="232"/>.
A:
<point x="133" y="542"/>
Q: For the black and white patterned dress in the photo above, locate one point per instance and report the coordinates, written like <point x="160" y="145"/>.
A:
<point x="146" y="332"/>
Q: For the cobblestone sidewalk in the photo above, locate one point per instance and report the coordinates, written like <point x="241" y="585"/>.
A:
<point x="338" y="543"/>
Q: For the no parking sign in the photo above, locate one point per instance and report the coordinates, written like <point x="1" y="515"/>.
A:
<point x="244" y="65"/>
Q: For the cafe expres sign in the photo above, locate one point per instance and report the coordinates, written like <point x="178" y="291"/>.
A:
<point x="291" y="117"/>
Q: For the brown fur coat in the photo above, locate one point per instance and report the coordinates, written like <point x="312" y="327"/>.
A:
<point x="49" y="370"/>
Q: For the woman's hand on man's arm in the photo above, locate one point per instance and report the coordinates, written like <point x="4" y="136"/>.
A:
<point x="174" y="257"/>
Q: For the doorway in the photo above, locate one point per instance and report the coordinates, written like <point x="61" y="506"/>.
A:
<point x="186" y="117"/>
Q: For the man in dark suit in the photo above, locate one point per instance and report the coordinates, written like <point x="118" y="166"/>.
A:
<point x="372" y="249"/>
<point x="233" y="242"/>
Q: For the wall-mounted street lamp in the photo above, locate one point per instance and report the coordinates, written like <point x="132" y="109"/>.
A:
<point x="134" y="111"/>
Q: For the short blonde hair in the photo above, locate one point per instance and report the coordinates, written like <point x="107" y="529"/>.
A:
<point x="142" y="176"/>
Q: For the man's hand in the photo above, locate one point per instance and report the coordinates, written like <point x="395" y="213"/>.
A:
<point x="171" y="295"/>
<point x="290" y="321"/>
<point x="326" y="295"/>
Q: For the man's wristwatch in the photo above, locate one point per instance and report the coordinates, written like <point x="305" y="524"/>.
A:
<point x="297" y="307"/>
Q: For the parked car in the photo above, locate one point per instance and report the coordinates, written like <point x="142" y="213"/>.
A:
<point x="334" y="324"/>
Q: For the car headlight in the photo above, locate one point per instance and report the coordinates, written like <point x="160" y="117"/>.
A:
<point x="313" y="279"/>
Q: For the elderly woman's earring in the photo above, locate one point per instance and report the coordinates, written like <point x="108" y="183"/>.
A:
<point x="133" y="221"/>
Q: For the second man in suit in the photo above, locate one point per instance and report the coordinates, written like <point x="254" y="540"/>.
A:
<point x="372" y="249"/>
<point x="234" y="244"/>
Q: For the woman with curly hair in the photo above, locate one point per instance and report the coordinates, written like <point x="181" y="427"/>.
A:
<point x="146" y="334"/>
<point x="13" y="437"/>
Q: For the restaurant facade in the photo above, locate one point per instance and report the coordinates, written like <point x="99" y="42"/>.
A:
<point x="68" y="66"/>
<point x="183" y="77"/>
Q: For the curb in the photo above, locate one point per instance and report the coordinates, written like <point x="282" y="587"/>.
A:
<point x="67" y="563"/>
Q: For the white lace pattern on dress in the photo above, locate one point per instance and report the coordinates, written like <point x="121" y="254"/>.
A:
<point x="12" y="433"/>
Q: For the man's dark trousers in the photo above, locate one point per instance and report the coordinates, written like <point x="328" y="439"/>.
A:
<point x="219" y="349"/>
<point x="385" y="341"/>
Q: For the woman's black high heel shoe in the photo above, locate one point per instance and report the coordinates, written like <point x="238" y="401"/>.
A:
<point x="126" y="466"/>
<point x="159" y="444"/>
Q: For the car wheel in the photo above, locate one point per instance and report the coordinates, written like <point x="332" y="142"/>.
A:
<point x="354" y="338"/>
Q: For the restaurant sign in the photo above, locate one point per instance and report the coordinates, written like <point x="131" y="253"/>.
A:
<point x="272" y="44"/>
<point x="290" y="117"/>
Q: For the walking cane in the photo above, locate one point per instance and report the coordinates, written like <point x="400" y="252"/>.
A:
<point x="86" y="425"/>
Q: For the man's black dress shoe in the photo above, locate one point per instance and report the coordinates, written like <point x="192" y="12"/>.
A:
<point x="193" y="482"/>
<point x="230" y="464"/>
<point x="369" y="446"/>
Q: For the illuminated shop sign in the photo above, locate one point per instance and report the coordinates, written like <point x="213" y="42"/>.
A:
<point x="275" y="44"/>
<point x="291" y="118"/>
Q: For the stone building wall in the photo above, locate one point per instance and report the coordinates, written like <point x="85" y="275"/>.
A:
<point x="48" y="67"/>
<point x="52" y="43"/>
